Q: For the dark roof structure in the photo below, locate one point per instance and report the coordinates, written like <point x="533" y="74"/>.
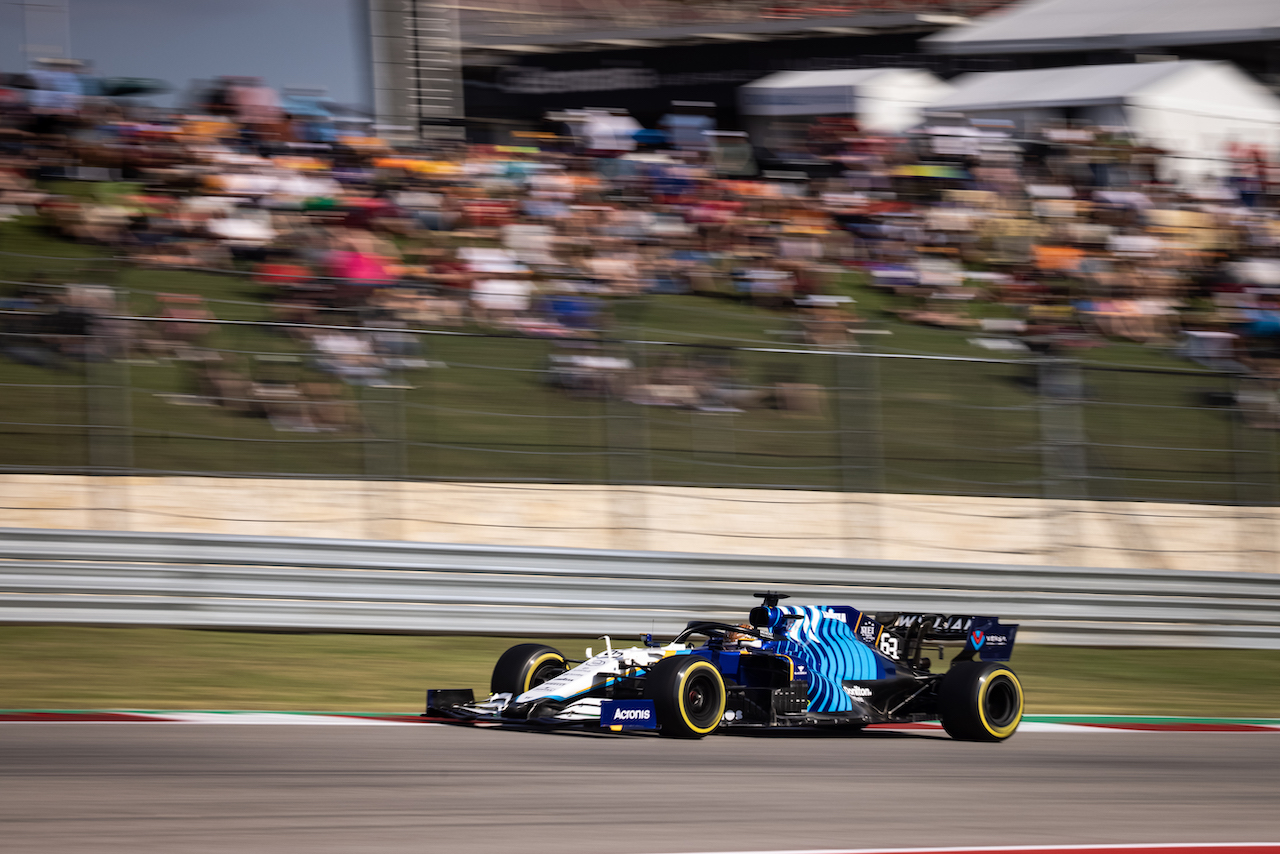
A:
<point x="1047" y="26"/>
<point x="713" y="32"/>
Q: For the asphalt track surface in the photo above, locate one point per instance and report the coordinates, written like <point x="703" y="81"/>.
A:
<point x="192" y="788"/>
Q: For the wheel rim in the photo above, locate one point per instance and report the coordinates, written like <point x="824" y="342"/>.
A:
<point x="545" y="673"/>
<point x="544" y="668"/>
<point x="1001" y="702"/>
<point x="701" y="699"/>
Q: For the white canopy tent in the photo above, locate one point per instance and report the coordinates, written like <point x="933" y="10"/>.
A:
<point x="1194" y="110"/>
<point x="883" y="100"/>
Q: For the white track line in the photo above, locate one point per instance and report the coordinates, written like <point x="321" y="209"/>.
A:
<point x="260" y="718"/>
<point x="1186" y="846"/>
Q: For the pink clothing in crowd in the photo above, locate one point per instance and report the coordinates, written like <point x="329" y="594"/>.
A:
<point x="358" y="266"/>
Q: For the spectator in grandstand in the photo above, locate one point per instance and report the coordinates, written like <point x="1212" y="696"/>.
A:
<point x="1056" y="233"/>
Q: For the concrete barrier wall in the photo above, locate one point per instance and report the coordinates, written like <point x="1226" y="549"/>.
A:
<point x="707" y="520"/>
<point x="228" y="581"/>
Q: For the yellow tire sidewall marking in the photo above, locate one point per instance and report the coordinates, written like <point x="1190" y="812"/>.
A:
<point x="1005" y="731"/>
<point x="684" y="680"/>
<point x="538" y="662"/>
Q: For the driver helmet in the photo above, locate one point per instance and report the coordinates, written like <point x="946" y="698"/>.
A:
<point x="744" y="637"/>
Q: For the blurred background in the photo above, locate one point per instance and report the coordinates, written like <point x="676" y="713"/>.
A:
<point x="960" y="281"/>
<point x="346" y="343"/>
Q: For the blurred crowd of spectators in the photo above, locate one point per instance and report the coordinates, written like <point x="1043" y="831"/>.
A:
<point x="1071" y="239"/>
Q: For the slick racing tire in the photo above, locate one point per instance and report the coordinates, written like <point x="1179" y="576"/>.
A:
<point x="688" y="695"/>
<point x="525" y="666"/>
<point x="980" y="701"/>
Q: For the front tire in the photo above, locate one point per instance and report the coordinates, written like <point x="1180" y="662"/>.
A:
<point x="525" y="666"/>
<point x="688" y="695"/>
<point x="980" y="701"/>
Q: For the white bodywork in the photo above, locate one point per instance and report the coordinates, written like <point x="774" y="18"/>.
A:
<point x="597" y="670"/>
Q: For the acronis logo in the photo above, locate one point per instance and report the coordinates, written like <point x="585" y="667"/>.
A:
<point x="629" y="714"/>
<point x="620" y="715"/>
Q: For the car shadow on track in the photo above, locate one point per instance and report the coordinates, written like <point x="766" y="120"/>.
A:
<point x="832" y="732"/>
<point x="762" y="732"/>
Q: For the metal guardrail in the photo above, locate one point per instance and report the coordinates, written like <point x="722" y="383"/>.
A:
<point x="211" y="581"/>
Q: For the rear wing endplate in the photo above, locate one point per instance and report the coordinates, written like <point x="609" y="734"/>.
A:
<point x="989" y="640"/>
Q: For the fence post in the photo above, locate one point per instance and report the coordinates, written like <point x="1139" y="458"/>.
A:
<point x="108" y="417"/>
<point x="861" y="450"/>
<point x="629" y="466"/>
<point x="1253" y="455"/>
<point x="1065" y="466"/>
<point x="385" y="456"/>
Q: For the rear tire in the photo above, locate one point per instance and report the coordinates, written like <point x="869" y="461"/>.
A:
<point x="688" y="695"/>
<point x="980" y="701"/>
<point x="525" y="666"/>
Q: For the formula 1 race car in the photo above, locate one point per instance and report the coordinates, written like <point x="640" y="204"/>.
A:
<point x="787" y="666"/>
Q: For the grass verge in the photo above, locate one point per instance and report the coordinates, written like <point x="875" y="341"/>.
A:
<point x="73" y="667"/>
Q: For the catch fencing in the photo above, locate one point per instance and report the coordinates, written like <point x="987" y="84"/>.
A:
<point x="255" y="399"/>
<point x="231" y="582"/>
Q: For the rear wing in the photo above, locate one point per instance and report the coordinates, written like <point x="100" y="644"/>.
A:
<point x="984" y="637"/>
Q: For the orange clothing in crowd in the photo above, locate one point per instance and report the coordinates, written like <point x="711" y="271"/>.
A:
<point x="1059" y="259"/>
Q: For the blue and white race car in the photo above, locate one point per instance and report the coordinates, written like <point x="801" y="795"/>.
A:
<point x="787" y="666"/>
